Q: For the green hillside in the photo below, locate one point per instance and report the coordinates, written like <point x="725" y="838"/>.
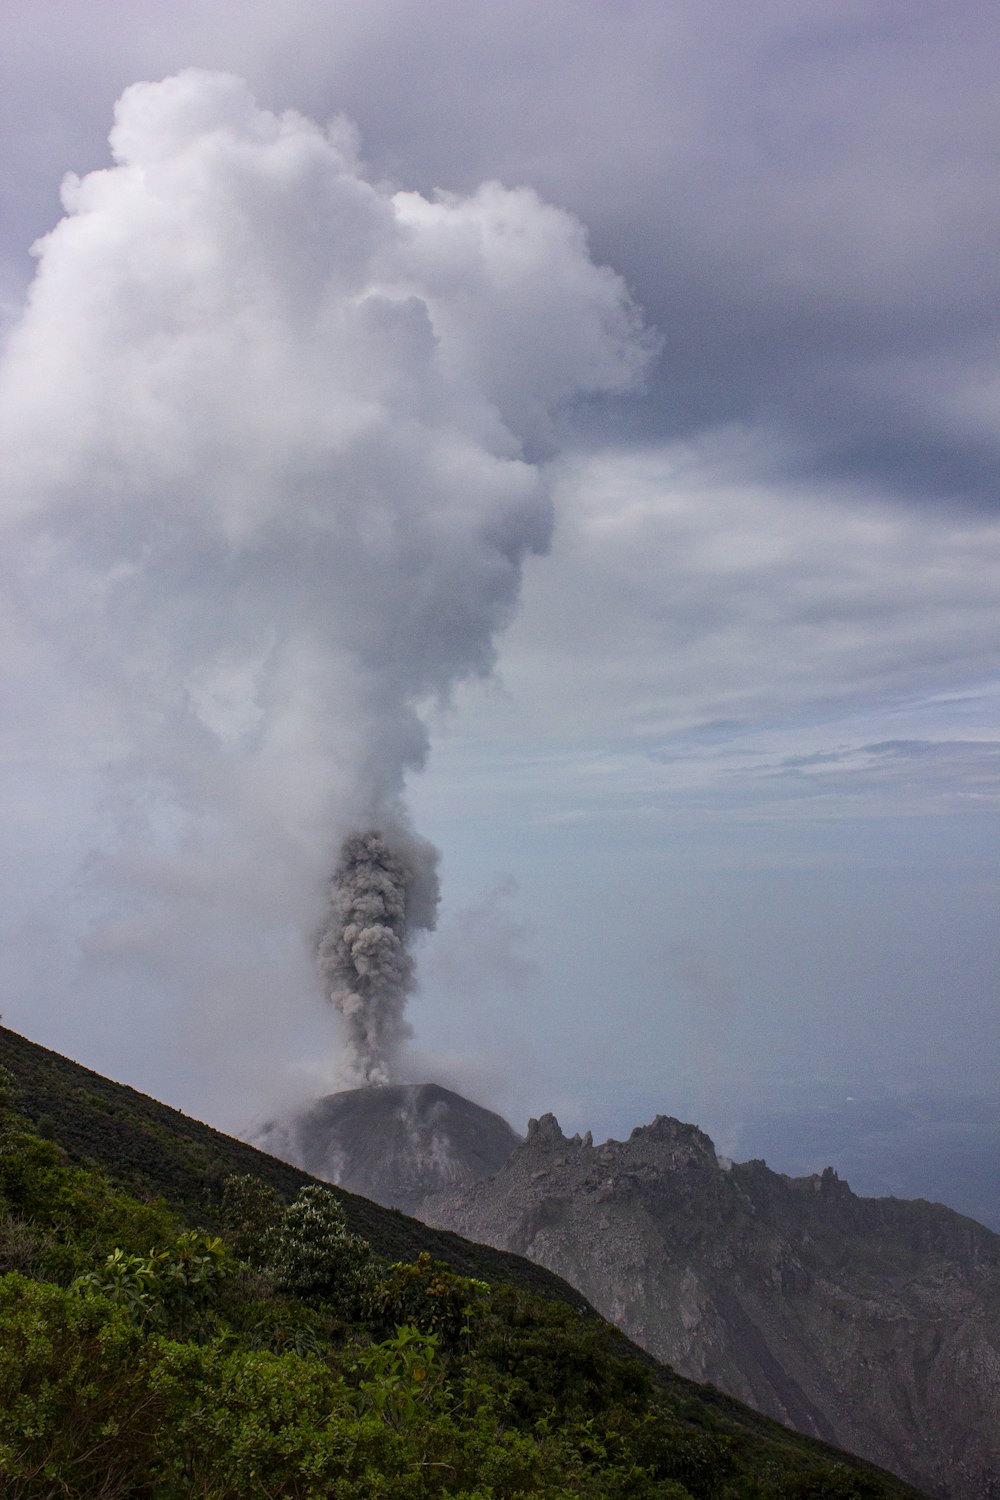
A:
<point x="322" y="1346"/>
<point x="149" y="1149"/>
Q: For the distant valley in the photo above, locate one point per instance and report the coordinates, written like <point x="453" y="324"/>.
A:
<point x="943" y="1147"/>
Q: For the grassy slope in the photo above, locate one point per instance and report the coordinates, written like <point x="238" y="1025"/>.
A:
<point x="151" y="1151"/>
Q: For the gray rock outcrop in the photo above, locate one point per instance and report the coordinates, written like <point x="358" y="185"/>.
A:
<point x="871" y="1323"/>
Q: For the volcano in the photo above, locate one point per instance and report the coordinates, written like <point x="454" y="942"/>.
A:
<point x="395" y="1143"/>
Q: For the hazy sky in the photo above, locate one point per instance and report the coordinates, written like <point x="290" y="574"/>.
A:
<point x="707" y="376"/>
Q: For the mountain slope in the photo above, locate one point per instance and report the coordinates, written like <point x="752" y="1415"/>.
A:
<point x="154" y="1150"/>
<point x="874" y="1324"/>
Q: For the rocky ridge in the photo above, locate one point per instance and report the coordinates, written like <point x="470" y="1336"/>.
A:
<point x="871" y="1323"/>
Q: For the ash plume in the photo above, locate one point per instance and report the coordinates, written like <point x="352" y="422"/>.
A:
<point x="271" y="442"/>
<point x="363" y="953"/>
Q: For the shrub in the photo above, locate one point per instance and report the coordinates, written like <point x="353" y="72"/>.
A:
<point x="310" y="1253"/>
<point x="402" y="1376"/>
<point x="242" y="1426"/>
<point x="22" y="1247"/>
<point x="424" y="1293"/>
<point x="174" y="1289"/>
<point x="251" y="1212"/>
<point x="76" y="1406"/>
<point x="72" y="1211"/>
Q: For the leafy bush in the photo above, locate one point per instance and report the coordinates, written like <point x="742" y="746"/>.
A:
<point x="424" y="1293"/>
<point x="76" y="1406"/>
<point x="9" y="1089"/>
<point x="72" y="1212"/>
<point x="552" y="1359"/>
<point x="174" y="1289"/>
<point x="310" y="1253"/>
<point x="242" y="1426"/>
<point x="22" y="1246"/>
<point x="251" y="1212"/>
<point x="402" y="1376"/>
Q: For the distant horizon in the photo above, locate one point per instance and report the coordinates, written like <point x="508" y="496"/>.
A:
<point x="904" y="1172"/>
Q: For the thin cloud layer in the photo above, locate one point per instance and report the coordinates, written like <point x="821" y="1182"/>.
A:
<point x="706" y="632"/>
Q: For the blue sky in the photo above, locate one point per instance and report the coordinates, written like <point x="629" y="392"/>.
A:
<point x="723" y="817"/>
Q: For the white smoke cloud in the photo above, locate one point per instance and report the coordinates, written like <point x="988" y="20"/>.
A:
<point x="272" y="441"/>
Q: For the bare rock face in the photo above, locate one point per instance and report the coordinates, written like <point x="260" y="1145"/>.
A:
<point x="395" y="1143"/>
<point x="871" y="1323"/>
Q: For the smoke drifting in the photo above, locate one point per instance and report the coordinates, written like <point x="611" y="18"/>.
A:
<point x="363" y="954"/>
<point x="273" y="439"/>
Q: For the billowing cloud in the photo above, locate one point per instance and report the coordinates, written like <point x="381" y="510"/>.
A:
<point x="804" y="198"/>
<point x="271" y="435"/>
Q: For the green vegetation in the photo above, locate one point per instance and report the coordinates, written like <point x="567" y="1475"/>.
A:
<point x="149" y="1150"/>
<point x="276" y="1355"/>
